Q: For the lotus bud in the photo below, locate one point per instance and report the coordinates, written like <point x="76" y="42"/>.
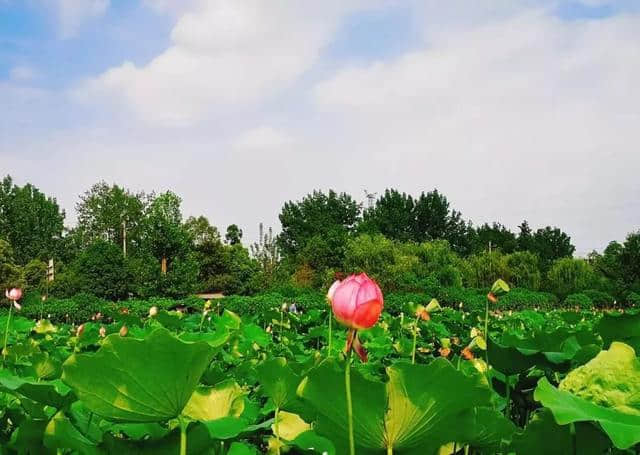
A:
<point x="102" y="332"/>
<point x="357" y="302"/>
<point x="423" y="314"/>
<point x="13" y="294"/>
<point x="332" y="291"/>
<point x="153" y="311"/>
<point x="284" y="307"/>
<point x="444" y="352"/>
<point x="460" y="305"/>
<point x="124" y="331"/>
<point x="43" y="298"/>
<point x="207" y="304"/>
<point x="124" y="310"/>
<point x="467" y="353"/>
<point x="492" y="298"/>
<point x="98" y="316"/>
<point x="80" y="330"/>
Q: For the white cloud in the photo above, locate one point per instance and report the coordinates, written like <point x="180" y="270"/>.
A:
<point x="73" y="13"/>
<point x="22" y="73"/>
<point x="224" y="55"/>
<point x="524" y="117"/>
<point x="263" y="138"/>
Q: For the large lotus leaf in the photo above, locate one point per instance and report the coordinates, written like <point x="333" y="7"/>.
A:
<point x="623" y="429"/>
<point x="60" y="433"/>
<point x="611" y="379"/>
<point x="552" y="349"/>
<point x="620" y="327"/>
<point x="278" y="381"/>
<point x="210" y="403"/>
<point x="53" y="393"/>
<point x="198" y="442"/>
<point x="215" y="339"/>
<point x="138" y="380"/>
<point x="27" y="438"/>
<point x="544" y="436"/>
<point x="487" y="429"/>
<point x="419" y="409"/>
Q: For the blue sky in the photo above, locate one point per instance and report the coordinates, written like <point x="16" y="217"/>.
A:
<point x="217" y="99"/>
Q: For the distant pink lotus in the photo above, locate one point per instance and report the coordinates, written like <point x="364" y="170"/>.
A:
<point x="13" y="294"/>
<point x="356" y="301"/>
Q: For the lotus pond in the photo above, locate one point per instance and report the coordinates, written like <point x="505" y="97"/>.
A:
<point x="215" y="382"/>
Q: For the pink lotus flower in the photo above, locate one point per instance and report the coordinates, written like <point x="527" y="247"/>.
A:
<point x="13" y="294"/>
<point x="356" y="301"/>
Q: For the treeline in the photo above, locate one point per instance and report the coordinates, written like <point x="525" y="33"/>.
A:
<point x="128" y="244"/>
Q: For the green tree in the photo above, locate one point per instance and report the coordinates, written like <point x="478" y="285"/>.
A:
<point x="525" y="237"/>
<point x="107" y="212"/>
<point x="100" y="270"/>
<point x="10" y="273"/>
<point x="393" y="216"/>
<point x="436" y="220"/>
<point x="35" y="274"/>
<point x="630" y="260"/>
<point x="551" y="244"/>
<point x="483" y="269"/>
<point x="498" y="235"/>
<point x="569" y="276"/>
<point x="233" y="235"/>
<point x="164" y="235"/>
<point x="201" y="231"/>
<point x="30" y="221"/>
<point x="267" y="253"/>
<point x="315" y="230"/>
<point x="524" y="270"/>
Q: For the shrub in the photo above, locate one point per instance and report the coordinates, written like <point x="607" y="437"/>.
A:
<point x="521" y="299"/>
<point x="578" y="300"/>
<point x="600" y="299"/>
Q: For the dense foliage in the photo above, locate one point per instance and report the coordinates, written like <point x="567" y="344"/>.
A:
<point x="140" y="377"/>
<point x="137" y="245"/>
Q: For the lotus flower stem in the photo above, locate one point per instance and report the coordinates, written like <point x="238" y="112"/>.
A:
<point x="390" y="449"/>
<point x="276" y="430"/>
<point x="183" y="435"/>
<point x="486" y="332"/>
<point x="347" y="383"/>
<point x="330" y="334"/>
<point x="6" y="335"/>
<point x="415" y="340"/>
<point x="506" y="408"/>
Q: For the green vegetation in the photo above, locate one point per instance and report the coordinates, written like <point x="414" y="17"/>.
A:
<point x="139" y="377"/>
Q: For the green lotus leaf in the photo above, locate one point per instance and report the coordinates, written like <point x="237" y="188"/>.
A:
<point x="278" y="381"/>
<point x="44" y="326"/>
<point x="238" y="448"/>
<point x="623" y="429"/>
<point x="500" y="287"/>
<point x="214" y="339"/>
<point x="138" y="380"/>
<point x="544" y="436"/>
<point x="210" y="403"/>
<point x="611" y="379"/>
<point x="60" y="433"/>
<point x="620" y="327"/>
<point x="53" y="393"/>
<point x="419" y="409"/>
<point x="27" y="438"/>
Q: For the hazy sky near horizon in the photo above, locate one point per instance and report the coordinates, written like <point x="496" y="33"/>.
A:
<point x="514" y="109"/>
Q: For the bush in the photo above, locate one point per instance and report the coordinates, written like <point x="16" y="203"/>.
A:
<point x="600" y="299"/>
<point x="579" y="300"/>
<point x="522" y="299"/>
<point x="633" y="299"/>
